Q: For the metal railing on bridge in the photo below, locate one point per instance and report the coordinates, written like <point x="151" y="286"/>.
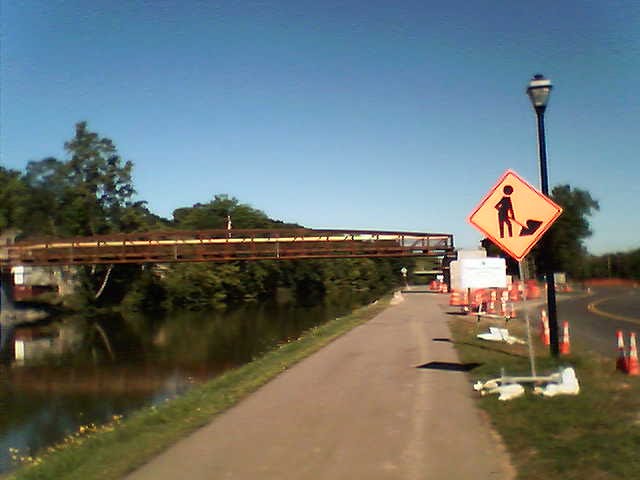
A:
<point x="226" y="245"/>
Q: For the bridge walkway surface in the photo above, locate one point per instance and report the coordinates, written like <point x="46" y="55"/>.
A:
<point x="361" y="408"/>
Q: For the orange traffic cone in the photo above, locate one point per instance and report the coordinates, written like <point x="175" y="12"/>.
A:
<point x="633" y="368"/>
<point x="455" y="299"/>
<point x="565" y="346"/>
<point x="545" y="335"/>
<point x="621" y="362"/>
<point x="543" y="315"/>
<point x="513" y="311"/>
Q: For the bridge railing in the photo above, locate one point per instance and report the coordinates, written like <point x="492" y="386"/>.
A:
<point x="226" y="245"/>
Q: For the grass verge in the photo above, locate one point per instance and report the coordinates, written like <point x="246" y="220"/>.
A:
<point x="594" y="435"/>
<point x="111" y="451"/>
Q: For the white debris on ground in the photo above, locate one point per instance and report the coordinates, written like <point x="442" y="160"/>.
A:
<point x="506" y="392"/>
<point x="568" y="385"/>
<point x="500" y="335"/>
<point x="564" y="382"/>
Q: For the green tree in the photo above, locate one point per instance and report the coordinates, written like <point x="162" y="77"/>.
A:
<point x="46" y="181"/>
<point x="89" y="194"/>
<point x="237" y="281"/>
<point x="213" y="215"/>
<point x="258" y="279"/>
<point x="14" y="199"/>
<point x="563" y="243"/>
<point x="200" y="286"/>
<point x="99" y="186"/>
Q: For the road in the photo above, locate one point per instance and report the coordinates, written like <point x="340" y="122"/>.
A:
<point x="612" y="309"/>
<point x="388" y="400"/>
<point x="594" y="318"/>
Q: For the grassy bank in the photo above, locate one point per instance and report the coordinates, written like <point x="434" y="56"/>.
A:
<point x="110" y="451"/>
<point x="595" y="435"/>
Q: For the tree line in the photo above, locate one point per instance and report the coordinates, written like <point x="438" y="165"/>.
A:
<point x="92" y="193"/>
<point x="615" y="265"/>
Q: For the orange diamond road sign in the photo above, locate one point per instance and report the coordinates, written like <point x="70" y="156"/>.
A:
<point x="514" y="215"/>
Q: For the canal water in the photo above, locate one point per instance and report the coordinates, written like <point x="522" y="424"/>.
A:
<point x="77" y="371"/>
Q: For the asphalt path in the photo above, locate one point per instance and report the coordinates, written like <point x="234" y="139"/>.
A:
<point x="594" y="318"/>
<point x="388" y="400"/>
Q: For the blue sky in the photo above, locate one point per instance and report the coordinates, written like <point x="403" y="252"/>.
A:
<point x="380" y="115"/>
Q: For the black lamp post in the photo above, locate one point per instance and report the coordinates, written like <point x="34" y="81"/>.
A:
<point x="538" y="90"/>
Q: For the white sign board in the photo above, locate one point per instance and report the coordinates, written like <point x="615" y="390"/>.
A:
<point x="478" y="273"/>
<point x="560" y="277"/>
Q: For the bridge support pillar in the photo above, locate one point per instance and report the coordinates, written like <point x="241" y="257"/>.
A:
<point x="7" y="315"/>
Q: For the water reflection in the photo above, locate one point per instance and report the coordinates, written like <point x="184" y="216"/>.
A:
<point x="89" y="370"/>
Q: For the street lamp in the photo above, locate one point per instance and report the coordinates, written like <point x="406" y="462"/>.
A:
<point x="539" y="89"/>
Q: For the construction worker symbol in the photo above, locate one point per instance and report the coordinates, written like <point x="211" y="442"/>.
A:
<point x="514" y="215"/>
<point x="506" y="215"/>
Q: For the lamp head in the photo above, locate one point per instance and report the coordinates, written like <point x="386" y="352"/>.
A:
<point x="538" y="90"/>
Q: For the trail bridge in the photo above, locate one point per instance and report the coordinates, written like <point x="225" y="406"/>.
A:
<point x="224" y="245"/>
<point x="205" y="246"/>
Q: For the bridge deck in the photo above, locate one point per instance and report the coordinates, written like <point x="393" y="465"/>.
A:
<point x="226" y="245"/>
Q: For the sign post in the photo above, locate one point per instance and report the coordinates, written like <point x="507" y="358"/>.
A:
<point x="515" y="216"/>
<point x="532" y="359"/>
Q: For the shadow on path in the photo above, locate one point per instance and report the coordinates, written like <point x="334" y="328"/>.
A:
<point x="450" y="366"/>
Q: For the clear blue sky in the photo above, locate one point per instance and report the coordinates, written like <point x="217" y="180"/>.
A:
<point x="372" y="114"/>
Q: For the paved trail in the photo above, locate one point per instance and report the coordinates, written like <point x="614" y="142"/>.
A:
<point x="358" y="409"/>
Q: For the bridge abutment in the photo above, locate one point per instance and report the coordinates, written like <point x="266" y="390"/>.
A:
<point x="7" y="315"/>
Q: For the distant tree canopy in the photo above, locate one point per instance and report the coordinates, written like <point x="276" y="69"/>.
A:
<point x="614" y="265"/>
<point x="213" y="215"/>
